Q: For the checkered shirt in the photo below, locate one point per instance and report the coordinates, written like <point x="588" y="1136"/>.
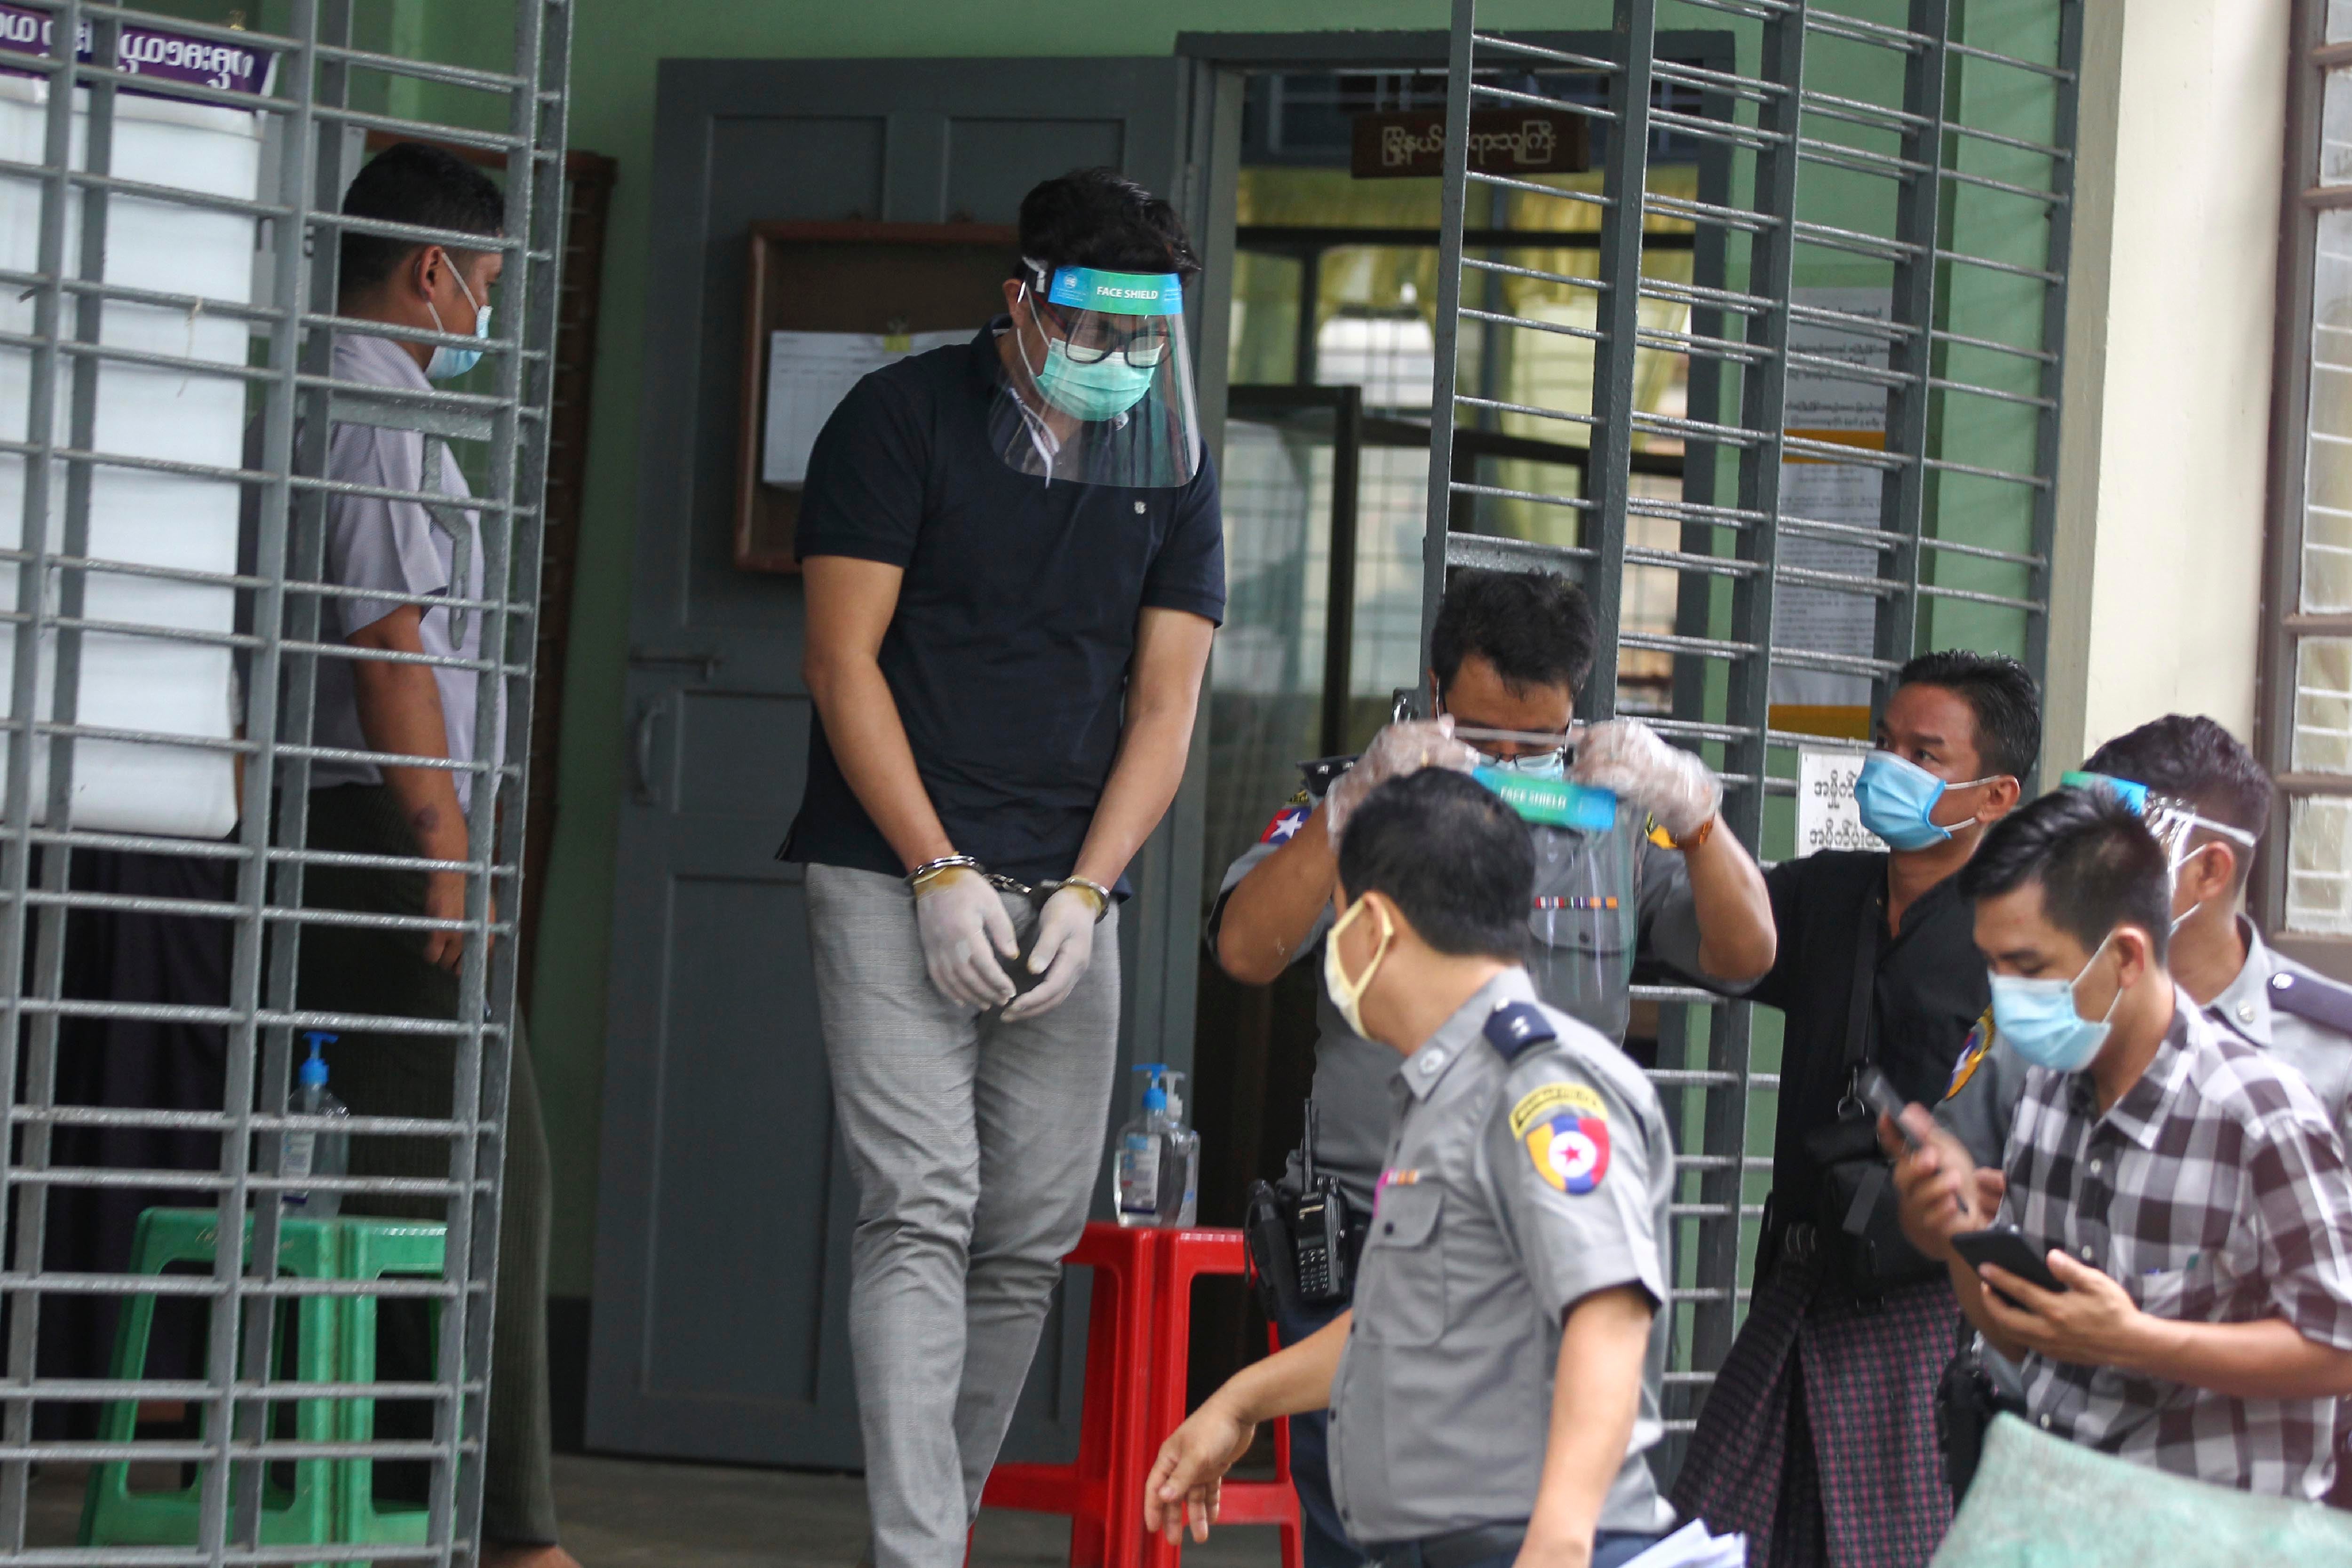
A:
<point x="2215" y="1190"/>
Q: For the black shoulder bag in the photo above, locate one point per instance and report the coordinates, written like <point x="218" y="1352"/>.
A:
<point x="1861" y="1236"/>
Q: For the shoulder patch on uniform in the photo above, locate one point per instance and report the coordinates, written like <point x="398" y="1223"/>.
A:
<point x="2314" y="998"/>
<point x="1515" y="1026"/>
<point x="1564" y="1127"/>
<point x="1286" y="823"/>
<point x="1657" y="835"/>
<point x="1972" y="1055"/>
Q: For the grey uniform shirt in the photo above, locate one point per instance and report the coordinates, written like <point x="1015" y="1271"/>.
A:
<point x="2274" y="1005"/>
<point x="396" y="546"/>
<point x="1598" y="899"/>
<point x="1514" y="1187"/>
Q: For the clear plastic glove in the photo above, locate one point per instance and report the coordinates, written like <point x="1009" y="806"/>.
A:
<point x="1064" y="946"/>
<point x="960" y="919"/>
<point x="1405" y="747"/>
<point x="1627" y="756"/>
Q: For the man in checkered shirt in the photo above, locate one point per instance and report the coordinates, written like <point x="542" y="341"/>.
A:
<point x="2190" y="1193"/>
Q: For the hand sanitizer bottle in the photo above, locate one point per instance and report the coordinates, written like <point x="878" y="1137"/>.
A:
<point x="1156" y="1180"/>
<point x="309" y="1153"/>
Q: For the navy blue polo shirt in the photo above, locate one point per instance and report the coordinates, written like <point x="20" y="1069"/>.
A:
<point x="1009" y="650"/>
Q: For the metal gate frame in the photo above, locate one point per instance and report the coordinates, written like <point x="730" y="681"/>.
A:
<point x="295" y="397"/>
<point x="1746" y="333"/>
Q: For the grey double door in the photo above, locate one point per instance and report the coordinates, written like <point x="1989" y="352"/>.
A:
<point x="725" y="1206"/>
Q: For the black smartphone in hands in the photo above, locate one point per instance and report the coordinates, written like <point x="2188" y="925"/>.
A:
<point x="1878" y="1091"/>
<point x="2005" y="1247"/>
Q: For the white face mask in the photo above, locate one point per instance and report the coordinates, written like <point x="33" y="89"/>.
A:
<point x="1348" y="995"/>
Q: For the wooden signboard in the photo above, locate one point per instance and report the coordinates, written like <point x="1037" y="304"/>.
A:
<point x="1412" y="144"/>
<point x="893" y="281"/>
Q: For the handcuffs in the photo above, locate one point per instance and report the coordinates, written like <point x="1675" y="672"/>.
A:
<point x="1037" y="895"/>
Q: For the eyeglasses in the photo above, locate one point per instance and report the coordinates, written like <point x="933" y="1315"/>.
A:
<point x="1091" y="340"/>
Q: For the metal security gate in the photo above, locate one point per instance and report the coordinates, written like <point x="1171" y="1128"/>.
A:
<point x="1917" y="163"/>
<point x="78" y="356"/>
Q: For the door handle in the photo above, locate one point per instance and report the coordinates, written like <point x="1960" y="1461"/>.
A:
<point x="641" y="752"/>
<point x="708" y="663"/>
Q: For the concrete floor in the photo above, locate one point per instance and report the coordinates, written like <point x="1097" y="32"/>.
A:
<point x="631" y="1513"/>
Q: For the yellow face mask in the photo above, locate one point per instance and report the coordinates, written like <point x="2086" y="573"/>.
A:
<point x="1348" y="995"/>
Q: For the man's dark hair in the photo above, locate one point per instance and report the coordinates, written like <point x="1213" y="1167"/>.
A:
<point x="410" y="183"/>
<point x="2191" y="759"/>
<point x="2001" y="694"/>
<point x="1451" y="855"/>
<point x="1100" y="218"/>
<point x="1534" y="628"/>
<point x="2098" y="865"/>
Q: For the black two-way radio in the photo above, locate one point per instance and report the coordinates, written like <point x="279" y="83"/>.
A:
<point x="1317" y="1222"/>
<point x="1298" y="1242"/>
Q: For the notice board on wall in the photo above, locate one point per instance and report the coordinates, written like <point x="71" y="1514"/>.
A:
<point x="823" y="304"/>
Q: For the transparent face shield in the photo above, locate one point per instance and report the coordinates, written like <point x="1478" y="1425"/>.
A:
<point x="2174" y="821"/>
<point x="1100" y="390"/>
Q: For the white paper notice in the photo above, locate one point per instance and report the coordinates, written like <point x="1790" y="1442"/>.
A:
<point x="1822" y="407"/>
<point x="1827" y="816"/>
<point x="808" y="375"/>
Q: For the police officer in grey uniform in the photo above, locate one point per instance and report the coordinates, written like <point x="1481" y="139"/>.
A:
<point x="2254" y="992"/>
<point x="1498" y="1383"/>
<point x="1507" y="654"/>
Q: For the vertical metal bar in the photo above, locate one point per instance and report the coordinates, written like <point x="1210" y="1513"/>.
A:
<point x="259" y="1061"/>
<point x="1339" y="591"/>
<point x="2059" y="260"/>
<point x="1919" y="204"/>
<point x="1695" y="592"/>
<point x="2290" y="445"/>
<point x="32" y="583"/>
<point x="40" y="1071"/>
<point x="1608" y="476"/>
<point x="1310" y="294"/>
<point x="1438" y="519"/>
<point x="1764" y="390"/>
<point x="511" y="563"/>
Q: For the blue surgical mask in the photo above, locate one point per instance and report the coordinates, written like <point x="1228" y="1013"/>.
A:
<point x="448" y="361"/>
<point x="1104" y="390"/>
<point x="1896" y="796"/>
<point x="2038" y="1020"/>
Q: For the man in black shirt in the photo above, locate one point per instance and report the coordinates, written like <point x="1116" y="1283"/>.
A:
<point x="1014" y="564"/>
<point x="1819" y="1437"/>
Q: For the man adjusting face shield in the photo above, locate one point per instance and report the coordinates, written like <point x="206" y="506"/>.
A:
<point x="1099" y="386"/>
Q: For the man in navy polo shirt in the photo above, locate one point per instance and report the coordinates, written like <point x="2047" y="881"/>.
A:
<point x="1014" y="564"/>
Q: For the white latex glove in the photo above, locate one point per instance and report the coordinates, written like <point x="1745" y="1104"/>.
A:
<point x="1406" y="747"/>
<point x="961" y="918"/>
<point x="1064" y="946"/>
<point x="1628" y="757"/>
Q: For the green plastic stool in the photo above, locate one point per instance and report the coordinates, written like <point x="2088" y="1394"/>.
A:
<point x="114" y="1515"/>
<point x="373" y="1248"/>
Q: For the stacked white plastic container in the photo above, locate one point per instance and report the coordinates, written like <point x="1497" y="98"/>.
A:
<point x="128" y="681"/>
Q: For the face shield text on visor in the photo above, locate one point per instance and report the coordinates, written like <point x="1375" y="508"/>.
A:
<point x="1100" y="391"/>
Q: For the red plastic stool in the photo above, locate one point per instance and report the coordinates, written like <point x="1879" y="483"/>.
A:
<point x="1102" y="1493"/>
<point x="1186" y="1256"/>
<point x="1138" y="1343"/>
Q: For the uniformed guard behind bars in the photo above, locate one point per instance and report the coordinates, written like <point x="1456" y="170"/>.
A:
<point x="1507" y="655"/>
<point x="1496" y="1384"/>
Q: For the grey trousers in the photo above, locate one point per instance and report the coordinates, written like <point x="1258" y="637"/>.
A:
<point x="975" y="1146"/>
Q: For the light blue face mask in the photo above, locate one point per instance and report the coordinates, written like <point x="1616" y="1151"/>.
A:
<point x="448" y="361"/>
<point x="2037" y="1017"/>
<point x="1104" y="390"/>
<point x="1534" y="765"/>
<point x="1896" y="795"/>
